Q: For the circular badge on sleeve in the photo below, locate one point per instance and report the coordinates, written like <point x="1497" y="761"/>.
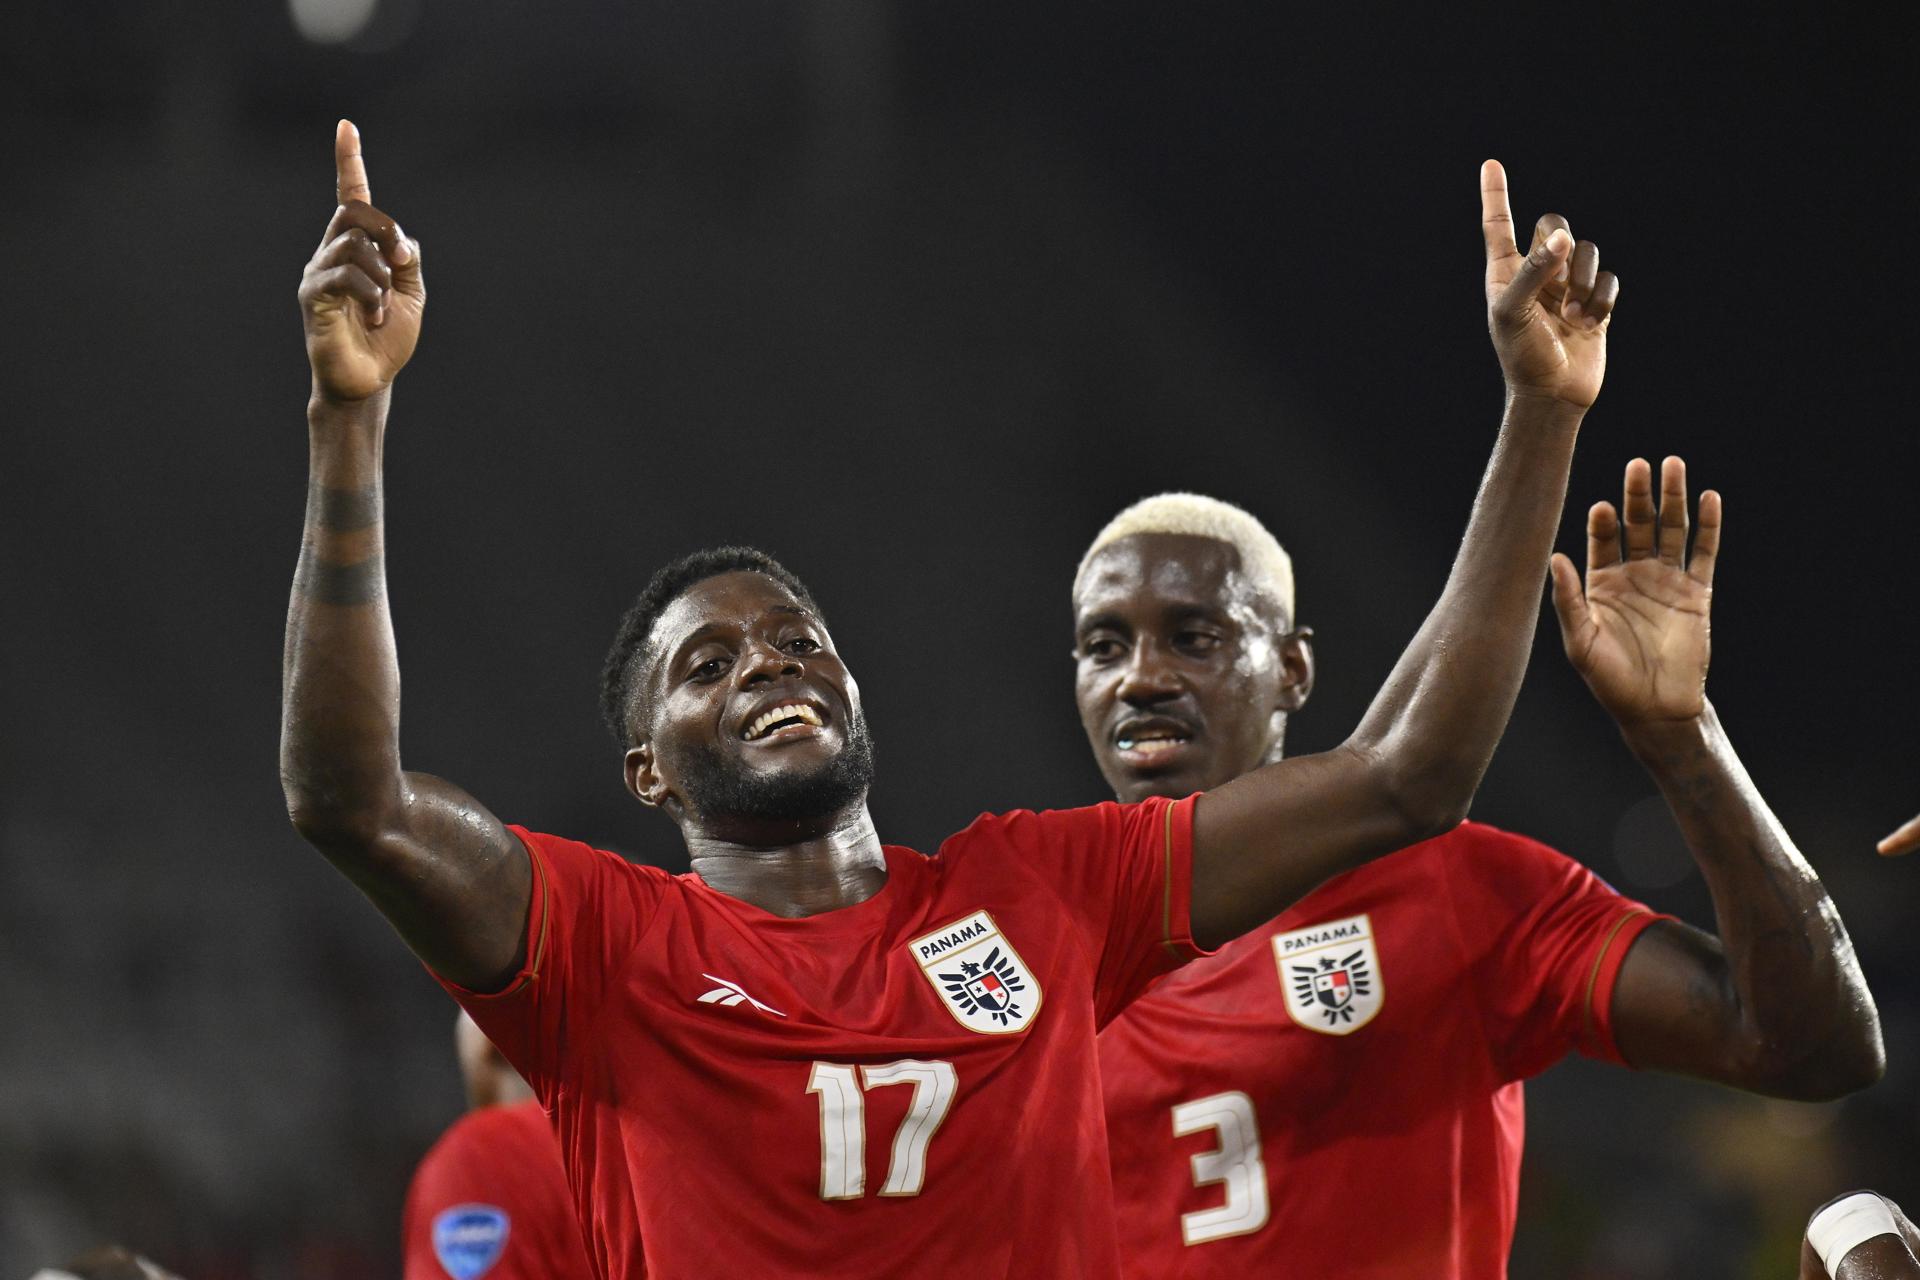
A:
<point x="469" y="1238"/>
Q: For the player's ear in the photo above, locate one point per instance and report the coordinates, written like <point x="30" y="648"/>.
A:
<point x="643" y="776"/>
<point x="1296" y="669"/>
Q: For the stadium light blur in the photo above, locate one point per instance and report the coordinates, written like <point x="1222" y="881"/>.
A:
<point x="331" y="21"/>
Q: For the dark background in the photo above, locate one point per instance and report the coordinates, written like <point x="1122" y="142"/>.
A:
<point x="914" y="296"/>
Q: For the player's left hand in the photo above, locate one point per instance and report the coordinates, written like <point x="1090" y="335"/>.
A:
<point x="1638" y="633"/>
<point x="1905" y="840"/>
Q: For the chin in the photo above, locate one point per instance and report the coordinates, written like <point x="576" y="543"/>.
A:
<point x="1173" y="785"/>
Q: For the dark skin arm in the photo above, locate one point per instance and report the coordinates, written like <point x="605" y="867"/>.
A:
<point x="1894" y="1256"/>
<point x="1776" y="1003"/>
<point x="451" y="878"/>
<point x="1411" y="767"/>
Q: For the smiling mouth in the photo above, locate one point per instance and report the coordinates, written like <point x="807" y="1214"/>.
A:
<point x="787" y="715"/>
<point x="1151" y="746"/>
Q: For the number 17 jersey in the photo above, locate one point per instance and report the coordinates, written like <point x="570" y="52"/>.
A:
<point x="907" y="1086"/>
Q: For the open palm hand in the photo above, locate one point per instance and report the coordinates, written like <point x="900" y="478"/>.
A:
<point x="1638" y="632"/>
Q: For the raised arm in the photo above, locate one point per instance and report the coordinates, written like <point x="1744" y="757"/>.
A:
<point x="1776" y="1003"/>
<point x="1410" y="769"/>
<point x="453" y="881"/>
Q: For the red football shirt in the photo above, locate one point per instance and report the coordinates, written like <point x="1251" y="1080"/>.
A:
<point x="1338" y="1093"/>
<point x="902" y="1087"/>
<point x="490" y="1200"/>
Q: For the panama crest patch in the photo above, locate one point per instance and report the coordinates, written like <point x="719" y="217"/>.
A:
<point x="1330" y="974"/>
<point x="469" y="1238"/>
<point x="978" y="975"/>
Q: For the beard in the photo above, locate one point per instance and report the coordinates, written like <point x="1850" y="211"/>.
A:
<point x="714" y="784"/>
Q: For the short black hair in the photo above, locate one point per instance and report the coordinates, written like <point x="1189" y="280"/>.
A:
<point x="618" y="677"/>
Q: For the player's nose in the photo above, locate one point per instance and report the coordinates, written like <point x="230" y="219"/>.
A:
<point x="763" y="664"/>
<point x="1146" y="678"/>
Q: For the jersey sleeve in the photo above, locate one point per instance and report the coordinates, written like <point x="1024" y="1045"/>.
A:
<point x="1124" y="876"/>
<point x="589" y="910"/>
<point x="1545" y="939"/>
<point x="481" y="1204"/>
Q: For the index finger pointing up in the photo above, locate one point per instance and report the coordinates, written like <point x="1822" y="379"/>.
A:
<point x="1496" y="223"/>
<point x="350" y="171"/>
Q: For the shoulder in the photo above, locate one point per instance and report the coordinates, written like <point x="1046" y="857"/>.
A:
<point x="571" y="862"/>
<point x="1029" y="827"/>
<point x="474" y="1133"/>
<point x="1478" y="851"/>
<point x="484" y="1151"/>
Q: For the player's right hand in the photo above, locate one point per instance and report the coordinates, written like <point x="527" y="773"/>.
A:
<point x="362" y="294"/>
<point x="1548" y="309"/>
<point x="1905" y="840"/>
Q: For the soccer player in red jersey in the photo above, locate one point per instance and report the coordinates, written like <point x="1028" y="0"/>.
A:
<point x="818" y="1054"/>
<point x="490" y="1198"/>
<point x="1338" y="1092"/>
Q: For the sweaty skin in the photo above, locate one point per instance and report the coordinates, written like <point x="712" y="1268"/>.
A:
<point x="456" y="884"/>
<point x="1775" y="1004"/>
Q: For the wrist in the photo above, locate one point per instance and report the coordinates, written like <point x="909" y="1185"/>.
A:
<point x="1536" y="405"/>
<point x="1655" y="742"/>
<point x="344" y="437"/>
<point x="323" y="405"/>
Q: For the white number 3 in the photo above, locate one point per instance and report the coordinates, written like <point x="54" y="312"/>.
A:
<point x="843" y="1124"/>
<point x="1235" y="1162"/>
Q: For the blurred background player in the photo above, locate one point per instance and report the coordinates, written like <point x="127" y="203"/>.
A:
<point x="1860" y="1236"/>
<point x="732" y="1057"/>
<point x="1359" y="1059"/>
<point x="110" y="1262"/>
<point x="490" y="1198"/>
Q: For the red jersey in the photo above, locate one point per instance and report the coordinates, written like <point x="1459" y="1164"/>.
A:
<point x="490" y="1199"/>
<point x="906" y="1086"/>
<point x="1338" y="1093"/>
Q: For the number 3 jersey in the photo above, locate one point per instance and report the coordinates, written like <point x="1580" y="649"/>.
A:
<point x="907" y="1086"/>
<point x="1338" y="1093"/>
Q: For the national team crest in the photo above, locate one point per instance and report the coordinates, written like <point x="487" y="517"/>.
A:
<point x="469" y="1238"/>
<point x="978" y="975"/>
<point x="1330" y="974"/>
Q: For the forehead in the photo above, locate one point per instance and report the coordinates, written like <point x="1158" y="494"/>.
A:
<point x="727" y="603"/>
<point x="1161" y="572"/>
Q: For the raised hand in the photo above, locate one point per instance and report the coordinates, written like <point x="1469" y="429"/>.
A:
<point x="1638" y="633"/>
<point x="361" y="295"/>
<point x="1905" y="840"/>
<point x="1548" y="315"/>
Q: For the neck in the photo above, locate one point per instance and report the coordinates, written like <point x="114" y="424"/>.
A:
<point x="841" y="866"/>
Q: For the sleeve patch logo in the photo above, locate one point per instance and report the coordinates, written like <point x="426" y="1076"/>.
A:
<point x="1330" y="975"/>
<point x="978" y="975"/>
<point x="469" y="1238"/>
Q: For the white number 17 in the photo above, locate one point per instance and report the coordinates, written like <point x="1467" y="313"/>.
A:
<point x="843" y="1124"/>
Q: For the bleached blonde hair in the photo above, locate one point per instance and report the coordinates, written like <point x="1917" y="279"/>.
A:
<point x="1265" y="562"/>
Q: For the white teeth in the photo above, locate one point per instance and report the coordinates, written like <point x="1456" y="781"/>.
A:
<point x="785" y="711"/>
<point x="1154" y="741"/>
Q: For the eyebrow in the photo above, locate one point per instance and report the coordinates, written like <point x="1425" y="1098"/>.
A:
<point x="706" y="630"/>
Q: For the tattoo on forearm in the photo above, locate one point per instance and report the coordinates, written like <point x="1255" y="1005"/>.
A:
<point x="361" y="582"/>
<point x="344" y="510"/>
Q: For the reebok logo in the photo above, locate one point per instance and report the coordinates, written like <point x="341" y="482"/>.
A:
<point x="729" y="994"/>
